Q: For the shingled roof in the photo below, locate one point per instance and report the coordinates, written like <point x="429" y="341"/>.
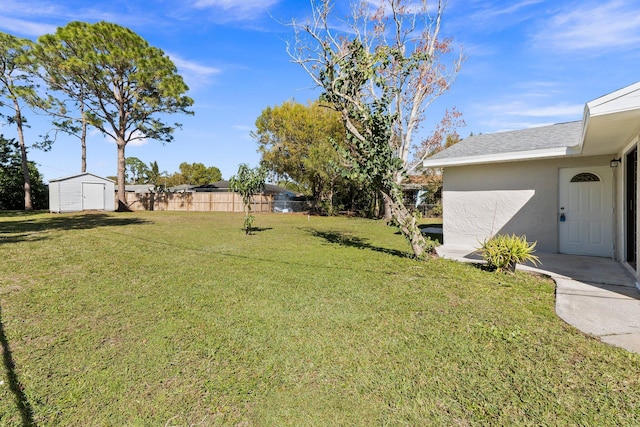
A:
<point x="539" y="142"/>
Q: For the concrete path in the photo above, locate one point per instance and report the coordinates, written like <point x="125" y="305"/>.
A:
<point x="596" y="295"/>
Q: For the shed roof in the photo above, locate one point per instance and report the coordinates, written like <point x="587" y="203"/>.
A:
<point x="64" y="178"/>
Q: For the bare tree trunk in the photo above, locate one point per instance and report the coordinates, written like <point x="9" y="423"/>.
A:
<point x="28" y="206"/>
<point x="83" y="139"/>
<point x="84" y="150"/>
<point x="375" y="206"/>
<point x="388" y="203"/>
<point x="330" y="196"/>
<point x="122" y="200"/>
<point x="407" y="223"/>
<point x="388" y="213"/>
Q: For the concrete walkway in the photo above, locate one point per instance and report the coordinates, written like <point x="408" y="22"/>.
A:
<point x="596" y="295"/>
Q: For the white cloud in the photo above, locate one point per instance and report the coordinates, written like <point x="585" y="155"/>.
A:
<point x="511" y="10"/>
<point x="240" y="10"/>
<point x="140" y="140"/>
<point x="528" y="110"/>
<point x="27" y="8"/>
<point x="593" y="25"/>
<point x="492" y="17"/>
<point x="558" y="110"/>
<point x="28" y="17"/>
<point x="26" y="28"/>
<point x="194" y="74"/>
<point x="537" y="99"/>
<point x="504" y="126"/>
<point x="193" y="67"/>
<point x="411" y="7"/>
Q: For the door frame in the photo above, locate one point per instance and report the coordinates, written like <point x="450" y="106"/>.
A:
<point x="631" y="202"/>
<point x="608" y="213"/>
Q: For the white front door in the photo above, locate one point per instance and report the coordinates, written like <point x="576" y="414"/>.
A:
<point x="93" y="196"/>
<point x="586" y="211"/>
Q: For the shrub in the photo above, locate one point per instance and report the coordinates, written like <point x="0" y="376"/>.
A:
<point x="503" y="252"/>
<point x="435" y="211"/>
<point x="430" y="245"/>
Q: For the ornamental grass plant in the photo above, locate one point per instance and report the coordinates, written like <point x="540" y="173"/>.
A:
<point x="502" y="252"/>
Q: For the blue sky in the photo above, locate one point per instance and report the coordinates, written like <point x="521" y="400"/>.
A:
<point x="528" y="63"/>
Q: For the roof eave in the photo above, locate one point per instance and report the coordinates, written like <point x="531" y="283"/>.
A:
<point x="547" y="153"/>
<point x="609" y="104"/>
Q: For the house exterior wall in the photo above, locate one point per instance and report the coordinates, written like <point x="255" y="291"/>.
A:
<point x="65" y="194"/>
<point x="480" y="201"/>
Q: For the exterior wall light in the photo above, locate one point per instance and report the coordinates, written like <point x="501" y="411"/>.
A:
<point x="615" y="162"/>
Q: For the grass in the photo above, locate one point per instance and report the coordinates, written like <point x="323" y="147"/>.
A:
<point x="179" y="319"/>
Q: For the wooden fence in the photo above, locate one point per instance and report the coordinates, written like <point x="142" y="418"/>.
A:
<point x="196" y="202"/>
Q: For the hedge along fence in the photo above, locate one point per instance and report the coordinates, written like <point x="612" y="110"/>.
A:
<point x="196" y="202"/>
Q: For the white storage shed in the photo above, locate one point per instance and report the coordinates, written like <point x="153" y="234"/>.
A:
<point x="81" y="192"/>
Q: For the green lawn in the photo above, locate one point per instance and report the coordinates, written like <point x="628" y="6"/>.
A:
<point x="179" y="319"/>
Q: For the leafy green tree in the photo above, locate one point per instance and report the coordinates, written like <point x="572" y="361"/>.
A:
<point x="12" y="179"/>
<point x="380" y="74"/>
<point x="66" y="100"/>
<point x="127" y="86"/>
<point x="174" y="179"/>
<point x="296" y="144"/>
<point x="135" y="171"/>
<point x="16" y="87"/>
<point x="248" y="182"/>
<point x="199" y="174"/>
<point x="194" y="174"/>
<point x="155" y="177"/>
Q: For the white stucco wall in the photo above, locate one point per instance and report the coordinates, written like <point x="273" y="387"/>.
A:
<point x="516" y="197"/>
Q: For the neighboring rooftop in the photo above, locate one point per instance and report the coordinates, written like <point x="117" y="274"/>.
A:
<point x="138" y="188"/>
<point x="225" y="186"/>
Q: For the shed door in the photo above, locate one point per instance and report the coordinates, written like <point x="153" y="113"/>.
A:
<point x="93" y="196"/>
<point x="586" y="211"/>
